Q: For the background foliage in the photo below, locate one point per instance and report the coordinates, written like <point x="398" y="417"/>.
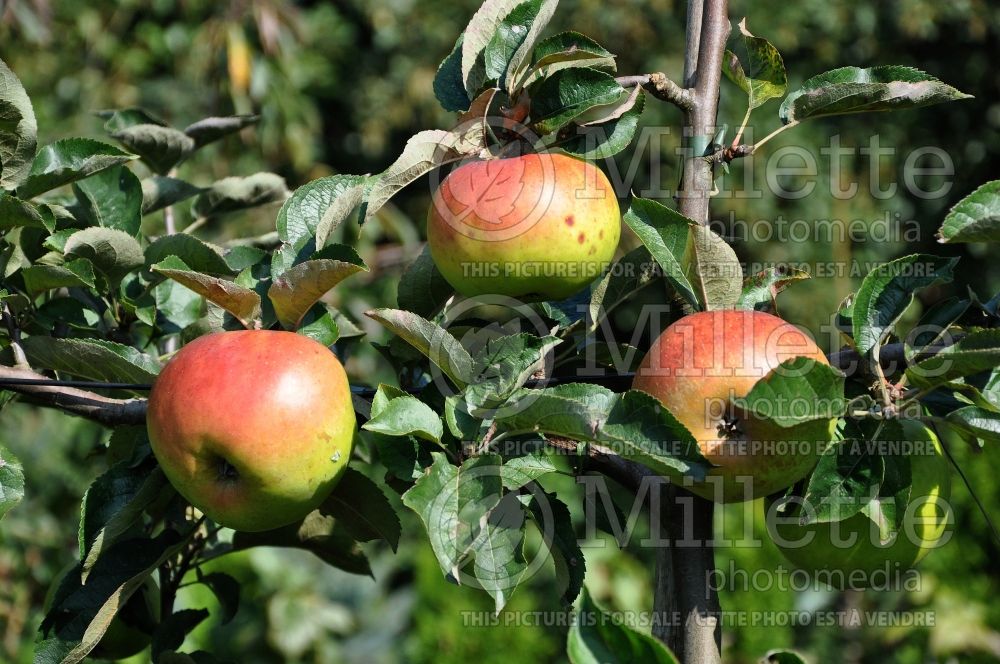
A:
<point x="339" y="86"/>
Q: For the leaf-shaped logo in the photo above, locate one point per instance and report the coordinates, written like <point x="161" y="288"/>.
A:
<point x="489" y="190"/>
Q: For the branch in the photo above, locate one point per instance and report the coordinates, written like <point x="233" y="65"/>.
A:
<point x="105" y="410"/>
<point x="683" y="599"/>
<point x="601" y="459"/>
<point x="729" y="154"/>
<point x="708" y="28"/>
<point x="661" y="87"/>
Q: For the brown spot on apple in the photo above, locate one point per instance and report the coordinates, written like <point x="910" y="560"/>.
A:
<point x="570" y="220"/>
<point x="581" y="238"/>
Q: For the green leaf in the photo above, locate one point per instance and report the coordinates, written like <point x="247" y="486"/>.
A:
<point x="94" y="359"/>
<point x="933" y="325"/>
<point x="18" y="130"/>
<point x="600" y="141"/>
<point x="113" y="505"/>
<point x="383" y="395"/>
<point x="227" y="590"/>
<point x="320" y="534"/>
<point x="520" y="60"/>
<point x="170" y="634"/>
<point x="320" y="325"/>
<point x="404" y="416"/>
<point x="113" y="252"/>
<point x="713" y="269"/>
<point x="240" y="258"/>
<point x="477" y="36"/>
<point x="70" y="312"/>
<point x="449" y="85"/>
<point x="160" y="147"/>
<point x="499" y="559"/>
<point x="519" y="471"/>
<point x="783" y="657"/>
<point x="503" y="365"/>
<point x="634" y="425"/>
<point x="361" y="506"/>
<point x="975" y="218"/>
<point x="82" y="613"/>
<point x="856" y="90"/>
<point x="976" y="352"/>
<point x="123" y="118"/>
<point x="332" y="198"/>
<point x="760" y="291"/>
<point x="564" y="50"/>
<point x="40" y="278"/>
<point x="555" y="523"/>
<point x="243" y="303"/>
<point x="422" y="288"/>
<point x="15" y="213"/>
<point x="67" y="161"/>
<point x="887" y="291"/>
<point x="508" y="37"/>
<point x="763" y="76"/>
<point x="665" y="233"/>
<point x="847" y="476"/>
<point x="595" y="637"/>
<point x="423" y="152"/>
<point x="567" y="94"/>
<point x="296" y="290"/>
<point x="433" y="341"/>
<point x="158" y="192"/>
<point x="466" y="517"/>
<point x="435" y="498"/>
<point x="197" y="255"/>
<point x="209" y="130"/>
<point x="888" y="509"/>
<point x="630" y="274"/>
<point x="11" y="480"/>
<point x="976" y="421"/>
<point x="239" y="193"/>
<point x="779" y="396"/>
<point x="111" y="198"/>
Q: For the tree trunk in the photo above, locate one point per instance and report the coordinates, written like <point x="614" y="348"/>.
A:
<point x="685" y="601"/>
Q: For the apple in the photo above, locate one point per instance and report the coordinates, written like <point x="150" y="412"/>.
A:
<point x="254" y="428"/>
<point x="698" y="365"/>
<point x="533" y="227"/>
<point x="852" y="549"/>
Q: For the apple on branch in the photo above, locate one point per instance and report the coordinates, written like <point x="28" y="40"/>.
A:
<point x="852" y="552"/>
<point x="703" y="362"/>
<point x="254" y="428"/>
<point x="533" y="227"/>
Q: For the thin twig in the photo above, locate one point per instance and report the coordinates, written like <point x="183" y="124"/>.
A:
<point x="14" y="332"/>
<point x="661" y="87"/>
<point x="968" y="485"/>
<point x="743" y="126"/>
<point x="756" y="146"/>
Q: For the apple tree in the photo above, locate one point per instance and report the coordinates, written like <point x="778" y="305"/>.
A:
<point x="502" y="379"/>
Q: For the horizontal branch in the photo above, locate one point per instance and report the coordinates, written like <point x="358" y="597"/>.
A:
<point x="68" y="395"/>
<point x="661" y="87"/>
<point x="730" y="153"/>
<point x="629" y="474"/>
<point x="101" y="409"/>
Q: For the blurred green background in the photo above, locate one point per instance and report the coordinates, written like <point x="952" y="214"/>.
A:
<point x="340" y="86"/>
